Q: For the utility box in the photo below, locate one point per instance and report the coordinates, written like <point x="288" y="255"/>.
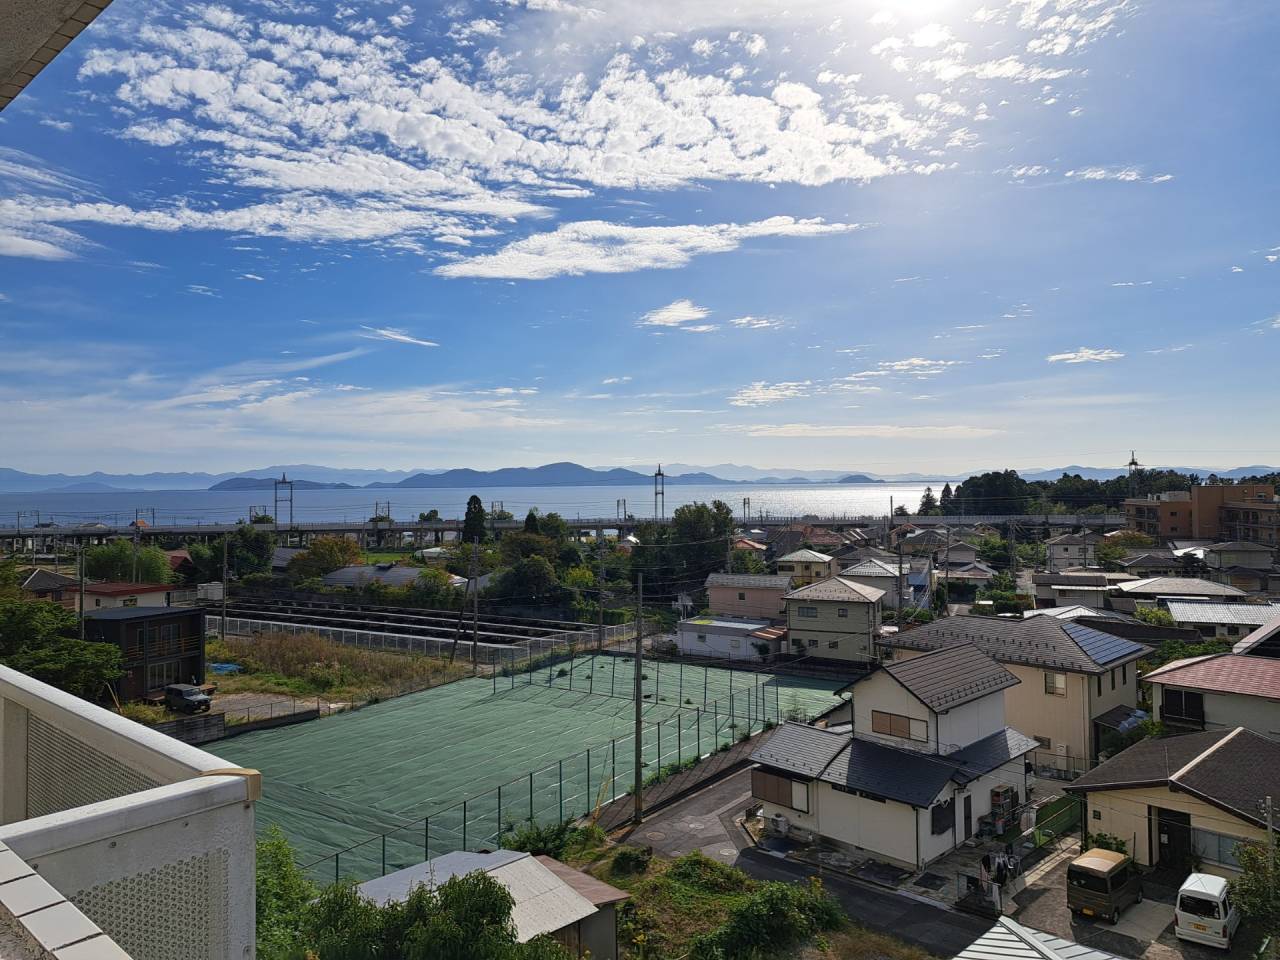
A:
<point x="209" y="591"/>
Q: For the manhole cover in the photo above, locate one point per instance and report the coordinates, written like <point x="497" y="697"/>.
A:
<point x="655" y="835"/>
<point x="727" y="852"/>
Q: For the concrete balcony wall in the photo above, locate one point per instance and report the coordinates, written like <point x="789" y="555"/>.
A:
<point x="152" y="839"/>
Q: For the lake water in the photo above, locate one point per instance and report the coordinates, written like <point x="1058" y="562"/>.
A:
<point x="196" y="506"/>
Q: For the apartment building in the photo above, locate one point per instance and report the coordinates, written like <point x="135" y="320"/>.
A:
<point x="1241" y="511"/>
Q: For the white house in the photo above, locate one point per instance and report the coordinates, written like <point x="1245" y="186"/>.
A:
<point x="927" y="758"/>
<point x="726" y="637"/>
<point x="106" y="596"/>
<point x="1220" y="691"/>
<point x="1072" y="550"/>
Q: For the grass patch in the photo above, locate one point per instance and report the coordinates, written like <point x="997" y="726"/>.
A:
<point x="857" y="943"/>
<point x="390" y="556"/>
<point x="309" y="666"/>
<point x="144" y="713"/>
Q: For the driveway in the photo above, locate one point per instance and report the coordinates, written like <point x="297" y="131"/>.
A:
<point x="1144" y="931"/>
<point x="704" y="821"/>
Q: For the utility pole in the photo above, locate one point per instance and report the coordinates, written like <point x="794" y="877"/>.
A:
<point x="636" y="791"/>
<point x="1271" y="864"/>
<point x="946" y="574"/>
<point x="475" y="604"/>
<point x="134" y="578"/>
<point x="222" y="623"/>
<point x="81" y="589"/>
<point x="900" y="588"/>
<point x="599" y="588"/>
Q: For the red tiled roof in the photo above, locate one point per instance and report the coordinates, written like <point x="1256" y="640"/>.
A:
<point x="1225" y="673"/>
<point x="125" y="589"/>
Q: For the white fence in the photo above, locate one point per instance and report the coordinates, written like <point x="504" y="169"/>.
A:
<point x="151" y="839"/>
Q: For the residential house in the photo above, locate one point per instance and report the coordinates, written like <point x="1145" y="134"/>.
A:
<point x="158" y="645"/>
<point x="957" y="552"/>
<point x="962" y="577"/>
<point x="1221" y="621"/>
<point x="754" y="546"/>
<point x="1072" y="550"/>
<point x="549" y="898"/>
<point x="55" y="587"/>
<point x="360" y="575"/>
<point x="1263" y="642"/>
<point x="105" y="596"/>
<point x="181" y="564"/>
<point x="834" y="619"/>
<point x="1184" y="799"/>
<point x="1072" y="676"/>
<point x="1077" y="612"/>
<point x="727" y="637"/>
<point x="1150" y="563"/>
<point x="1071" y="588"/>
<point x="1219" y="691"/>
<point x="1149" y="592"/>
<point x="925" y="542"/>
<point x="799" y="536"/>
<point x="926" y="756"/>
<point x="747" y="595"/>
<point x="887" y="576"/>
<point x="806" y="566"/>
<point x="1239" y="553"/>
<point x="281" y="556"/>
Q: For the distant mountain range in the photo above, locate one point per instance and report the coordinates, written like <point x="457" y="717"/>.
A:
<point x="313" y="477"/>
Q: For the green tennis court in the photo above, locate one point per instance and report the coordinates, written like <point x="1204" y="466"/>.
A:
<point x="449" y="768"/>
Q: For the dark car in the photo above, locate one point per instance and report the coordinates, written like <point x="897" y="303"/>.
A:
<point x="186" y="698"/>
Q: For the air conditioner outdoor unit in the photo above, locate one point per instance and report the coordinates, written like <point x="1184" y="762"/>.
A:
<point x="779" y="824"/>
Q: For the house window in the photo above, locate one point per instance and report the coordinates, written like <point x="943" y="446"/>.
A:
<point x="942" y="817"/>
<point x="1045" y="743"/>
<point x="813" y="642"/>
<point x="735" y="643"/>
<point x="1113" y="678"/>
<point x="1099" y="684"/>
<point x="741" y="595"/>
<point x="162" y="674"/>
<point x="1124" y="674"/>
<point x="843" y="613"/>
<point x="702" y="638"/>
<point x="1097" y="814"/>
<point x="129" y="602"/>
<point x="1185" y="705"/>
<point x="97" y="602"/>
<point x="783" y="791"/>
<point x="1055" y="684"/>
<point x="808" y="613"/>
<point x="897" y="725"/>
<point x="833" y="644"/>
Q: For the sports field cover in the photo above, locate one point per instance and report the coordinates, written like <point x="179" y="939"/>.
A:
<point x="549" y="744"/>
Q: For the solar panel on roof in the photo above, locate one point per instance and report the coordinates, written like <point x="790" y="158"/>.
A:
<point x="1101" y="648"/>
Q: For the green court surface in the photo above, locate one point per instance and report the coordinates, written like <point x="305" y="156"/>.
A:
<point x="362" y="793"/>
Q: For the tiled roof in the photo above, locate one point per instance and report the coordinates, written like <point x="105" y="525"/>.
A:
<point x="374" y="573"/>
<point x="800" y="748"/>
<point x="1223" y="673"/>
<point x="1234" y="770"/>
<point x="763" y="581"/>
<point x="836" y="588"/>
<point x="1239" y="545"/>
<point x="47" y="580"/>
<point x="1175" y="585"/>
<point x="1073" y="612"/>
<point x="125" y="589"/>
<point x="992" y="751"/>
<point x="805" y="556"/>
<point x="1249" y="614"/>
<point x="1261" y="641"/>
<point x="1039" y="641"/>
<point x="903" y="775"/>
<point x="872" y="568"/>
<point x="1070" y="579"/>
<point x="951" y="676"/>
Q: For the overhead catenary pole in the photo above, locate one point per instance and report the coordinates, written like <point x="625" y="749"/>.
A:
<point x="639" y="733"/>
<point x="222" y="622"/>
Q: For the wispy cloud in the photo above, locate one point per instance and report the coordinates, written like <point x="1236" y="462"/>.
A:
<point x="755" y="323"/>
<point x="762" y="393"/>
<point x="395" y="335"/>
<point x="835" y="431"/>
<point x="674" y="314"/>
<point x="1118" y="174"/>
<point x="1086" y="355"/>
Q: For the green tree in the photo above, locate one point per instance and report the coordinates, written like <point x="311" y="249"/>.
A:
<point x="432" y="514"/>
<point x="324" y="555"/>
<point x="531" y="521"/>
<point x="580" y="578"/>
<point x="1257" y="889"/>
<point x="1155" y="616"/>
<point x="532" y="578"/>
<point x="1109" y="554"/>
<point x="928" y="504"/>
<point x="473" y="523"/>
<point x="282" y="893"/>
<point x="115" y="561"/>
<point x="554" y="526"/>
<point x="996" y="492"/>
<point x="39" y="639"/>
<point x="944" y="501"/>
<point x="249" y="551"/>
<point x="746" y="561"/>
<point x="516" y="546"/>
<point x="901" y="511"/>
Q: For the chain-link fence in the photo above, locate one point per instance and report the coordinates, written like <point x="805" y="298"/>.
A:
<point x="702" y="738"/>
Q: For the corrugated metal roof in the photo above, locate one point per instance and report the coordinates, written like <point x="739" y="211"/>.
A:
<point x="872" y="568"/>
<point x="355" y="576"/>
<point x="1010" y="940"/>
<point x="1247" y="614"/>
<point x="983" y="756"/>
<point x="1172" y="586"/>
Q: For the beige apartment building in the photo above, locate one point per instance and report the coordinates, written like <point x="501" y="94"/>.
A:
<point x="1240" y="511"/>
<point x="748" y="595"/>
<point x="1076" y="682"/>
<point x="834" y="619"/>
<point x="807" y="566"/>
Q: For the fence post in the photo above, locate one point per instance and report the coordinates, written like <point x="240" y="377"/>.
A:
<point x="613" y="676"/>
<point x="384" y="854"/>
<point x="698" y="717"/>
<point x="680" y="694"/>
<point x="613" y="773"/>
<point x="590" y="805"/>
<point x="679" y="738"/>
<point x="704" y="687"/>
<point x="336" y="875"/>
<point x="464" y="824"/>
<point x="499" y="814"/>
<point x="560" y="765"/>
<point x="426" y="838"/>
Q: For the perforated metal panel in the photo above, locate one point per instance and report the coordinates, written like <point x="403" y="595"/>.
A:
<point x="64" y="772"/>
<point x="174" y="911"/>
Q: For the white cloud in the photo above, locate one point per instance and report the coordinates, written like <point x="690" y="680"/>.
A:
<point x="398" y="336"/>
<point x="762" y="392"/>
<point x="595" y="246"/>
<point x="918" y="366"/>
<point x="62" y="125"/>
<point x="1119" y="174"/>
<point x="853" y="431"/>
<point x="1237" y="269"/>
<point x="608" y="380"/>
<point x="755" y="323"/>
<point x="674" y="314"/>
<point x="1086" y="355"/>
<point x="250" y="276"/>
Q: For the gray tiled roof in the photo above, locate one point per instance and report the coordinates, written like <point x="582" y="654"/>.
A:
<point x="357" y="575"/>
<point x="806" y="555"/>
<point x="1175" y="585"/>
<point x="1038" y="641"/>
<point x="872" y="567"/>
<point x="1249" y="614"/>
<point x="951" y="676"/>
<point x="1234" y="770"/>
<point x="836" y="588"/>
<point x="766" y="581"/>
<point x="903" y="775"/>
<point x="48" y="580"/>
<point x="992" y="751"/>
<point x="800" y="748"/>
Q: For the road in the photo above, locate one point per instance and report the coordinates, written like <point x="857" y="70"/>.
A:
<point x="704" y="821"/>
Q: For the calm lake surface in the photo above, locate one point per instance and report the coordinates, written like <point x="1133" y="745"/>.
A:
<point x="195" y="506"/>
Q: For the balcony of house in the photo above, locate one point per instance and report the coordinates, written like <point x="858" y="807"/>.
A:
<point x="147" y="841"/>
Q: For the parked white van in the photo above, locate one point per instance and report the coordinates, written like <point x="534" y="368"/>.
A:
<point x="1205" y="912"/>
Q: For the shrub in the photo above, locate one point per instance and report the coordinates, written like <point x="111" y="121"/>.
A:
<point x="1105" y="841"/>
<point x="558" y="840"/>
<point x="701" y="872"/>
<point x="631" y="860"/>
<point x="144" y="713"/>
<point x="769" y="920"/>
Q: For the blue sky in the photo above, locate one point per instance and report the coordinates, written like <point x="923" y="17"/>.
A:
<point x="887" y="235"/>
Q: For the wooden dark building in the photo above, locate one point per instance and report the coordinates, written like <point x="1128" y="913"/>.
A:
<point x="160" y="645"/>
